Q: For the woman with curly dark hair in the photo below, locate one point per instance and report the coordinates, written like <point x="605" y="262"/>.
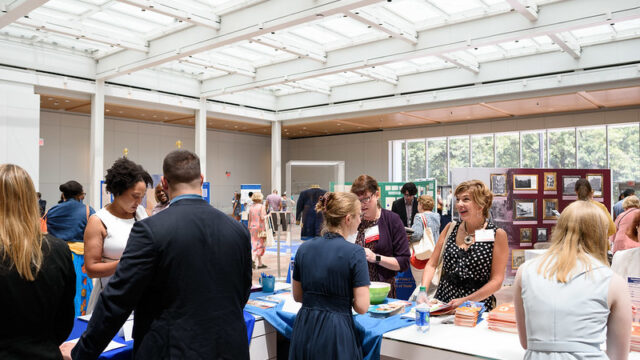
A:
<point x="108" y="230"/>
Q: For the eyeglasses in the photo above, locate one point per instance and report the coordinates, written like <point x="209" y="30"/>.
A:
<point x="365" y="200"/>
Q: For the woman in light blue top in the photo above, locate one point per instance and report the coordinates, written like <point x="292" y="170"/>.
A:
<point x="568" y="301"/>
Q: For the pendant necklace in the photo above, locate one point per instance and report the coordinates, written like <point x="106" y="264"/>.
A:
<point x="468" y="239"/>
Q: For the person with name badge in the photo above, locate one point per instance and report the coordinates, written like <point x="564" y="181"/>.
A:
<point x="382" y="234"/>
<point x="472" y="253"/>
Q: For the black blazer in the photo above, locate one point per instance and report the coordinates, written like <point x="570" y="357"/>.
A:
<point x="187" y="274"/>
<point x="37" y="316"/>
<point x="399" y="208"/>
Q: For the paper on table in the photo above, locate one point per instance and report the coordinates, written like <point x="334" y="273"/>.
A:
<point x="291" y="306"/>
<point x="111" y="346"/>
<point x="281" y="286"/>
<point x="126" y="331"/>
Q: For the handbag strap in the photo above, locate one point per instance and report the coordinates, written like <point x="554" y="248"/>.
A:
<point x="444" y="247"/>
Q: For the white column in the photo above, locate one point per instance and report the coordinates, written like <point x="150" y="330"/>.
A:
<point x="201" y="136"/>
<point x="20" y="128"/>
<point x="276" y="157"/>
<point x="97" y="144"/>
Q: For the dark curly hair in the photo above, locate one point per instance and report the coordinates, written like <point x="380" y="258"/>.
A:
<point x="124" y="174"/>
<point x="409" y="189"/>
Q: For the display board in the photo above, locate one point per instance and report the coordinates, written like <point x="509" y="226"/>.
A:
<point x="525" y="199"/>
<point x="390" y="191"/>
<point x="245" y="189"/>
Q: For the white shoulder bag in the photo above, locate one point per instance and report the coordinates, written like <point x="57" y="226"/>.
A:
<point x="424" y="248"/>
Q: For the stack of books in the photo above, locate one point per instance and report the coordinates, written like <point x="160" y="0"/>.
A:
<point x="390" y="309"/>
<point x="503" y="318"/>
<point x="468" y="313"/>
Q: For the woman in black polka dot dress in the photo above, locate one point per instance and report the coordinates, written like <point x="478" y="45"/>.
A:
<point x="473" y="269"/>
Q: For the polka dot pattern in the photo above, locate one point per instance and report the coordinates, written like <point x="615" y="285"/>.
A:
<point x="466" y="271"/>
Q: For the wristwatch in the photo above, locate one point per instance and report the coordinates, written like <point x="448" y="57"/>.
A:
<point x="378" y="258"/>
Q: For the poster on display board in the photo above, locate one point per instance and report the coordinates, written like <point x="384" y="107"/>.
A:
<point x="390" y="191"/>
<point x="245" y="189"/>
<point x="526" y="207"/>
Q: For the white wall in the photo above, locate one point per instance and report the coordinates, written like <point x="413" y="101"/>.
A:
<point x="368" y="153"/>
<point x="65" y="154"/>
<point x="19" y="123"/>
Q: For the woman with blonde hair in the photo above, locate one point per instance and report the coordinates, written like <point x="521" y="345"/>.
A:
<point x="257" y="229"/>
<point x="567" y="298"/>
<point x="37" y="278"/>
<point x="626" y="236"/>
<point x="474" y="254"/>
<point x="330" y="275"/>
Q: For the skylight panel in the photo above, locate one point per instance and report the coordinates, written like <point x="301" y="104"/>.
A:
<point x="124" y="22"/>
<point x="141" y="14"/>
<point x="457" y="6"/>
<point x="592" y="31"/>
<point x="314" y="34"/>
<point x="629" y="25"/>
<point x="75" y="8"/>
<point x="241" y="53"/>
<point x="413" y="11"/>
<point x="347" y="26"/>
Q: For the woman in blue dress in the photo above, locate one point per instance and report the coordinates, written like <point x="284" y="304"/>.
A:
<point x="330" y="276"/>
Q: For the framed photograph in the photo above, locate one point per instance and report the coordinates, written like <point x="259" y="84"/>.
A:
<point x="498" y="184"/>
<point x="542" y="235"/>
<point x="525" y="235"/>
<point x="569" y="184"/>
<point x="596" y="184"/>
<point x="500" y="210"/>
<point x="517" y="258"/>
<point x="525" y="182"/>
<point x="549" y="205"/>
<point x="525" y="209"/>
<point x="550" y="181"/>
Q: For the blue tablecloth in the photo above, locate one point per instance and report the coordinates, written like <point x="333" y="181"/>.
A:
<point x="370" y="329"/>
<point x="126" y="352"/>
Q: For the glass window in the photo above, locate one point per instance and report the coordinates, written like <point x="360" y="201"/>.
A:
<point x="438" y="160"/>
<point x="459" y="152"/>
<point x="562" y="148"/>
<point x="623" y="155"/>
<point x="531" y="149"/>
<point x="397" y="160"/>
<point x="482" y="151"/>
<point x="507" y="154"/>
<point x="592" y="147"/>
<point x="417" y="160"/>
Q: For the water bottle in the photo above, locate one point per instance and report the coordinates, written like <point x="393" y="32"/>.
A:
<point x="423" y="316"/>
<point x="422" y="296"/>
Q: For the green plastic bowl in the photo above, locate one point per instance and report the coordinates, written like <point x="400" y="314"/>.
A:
<point x="378" y="291"/>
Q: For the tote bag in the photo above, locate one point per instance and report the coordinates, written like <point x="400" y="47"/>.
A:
<point x="424" y="248"/>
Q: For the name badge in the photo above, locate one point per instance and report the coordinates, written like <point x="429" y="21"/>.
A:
<point x="485" y="235"/>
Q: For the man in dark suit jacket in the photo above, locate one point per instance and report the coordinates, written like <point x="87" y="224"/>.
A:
<point x="187" y="274"/>
<point x="407" y="201"/>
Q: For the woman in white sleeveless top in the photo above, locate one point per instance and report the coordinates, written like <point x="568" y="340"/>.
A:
<point x="568" y="301"/>
<point x="107" y="232"/>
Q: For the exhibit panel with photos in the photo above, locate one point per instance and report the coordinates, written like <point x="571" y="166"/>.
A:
<point x="526" y="202"/>
<point x="390" y="191"/>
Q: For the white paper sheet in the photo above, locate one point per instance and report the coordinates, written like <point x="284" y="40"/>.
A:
<point x="281" y="286"/>
<point x="291" y="306"/>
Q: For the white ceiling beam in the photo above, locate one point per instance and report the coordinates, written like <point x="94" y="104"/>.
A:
<point x="473" y="67"/>
<point x="84" y="32"/>
<point x="528" y="11"/>
<point x="374" y="74"/>
<point x="217" y="66"/>
<point x="515" y="89"/>
<point x="529" y="66"/>
<point x="260" y="19"/>
<point x="573" y="49"/>
<point x="307" y="87"/>
<point x="292" y="49"/>
<point x="384" y="26"/>
<point x="557" y="17"/>
<point x="18" y="9"/>
<point x="178" y="11"/>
